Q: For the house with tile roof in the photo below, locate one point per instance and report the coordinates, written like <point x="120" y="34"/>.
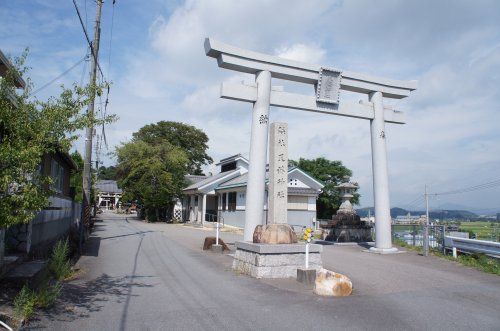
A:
<point x="222" y="196"/>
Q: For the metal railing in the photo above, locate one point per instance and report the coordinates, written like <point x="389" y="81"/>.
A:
<point x="465" y="245"/>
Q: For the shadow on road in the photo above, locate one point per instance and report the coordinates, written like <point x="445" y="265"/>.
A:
<point x="79" y="300"/>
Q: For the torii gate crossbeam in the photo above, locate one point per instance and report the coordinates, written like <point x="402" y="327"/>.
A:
<point x="263" y="95"/>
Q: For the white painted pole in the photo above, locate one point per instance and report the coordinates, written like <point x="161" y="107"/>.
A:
<point x="454" y="252"/>
<point x="383" y="240"/>
<point x="254" y="210"/>
<point x="307" y="255"/>
<point x="203" y="209"/>
<point x="217" y="232"/>
<point x="426" y="227"/>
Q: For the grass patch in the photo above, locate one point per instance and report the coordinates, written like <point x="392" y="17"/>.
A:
<point x="27" y="300"/>
<point x="404" y="244"/>
<point x="25" y="304"/>
<point x="482" y="230"/>
<point x="47" y="295"/>
<point x="59" y="263"/>
<point x="478" y="261"/>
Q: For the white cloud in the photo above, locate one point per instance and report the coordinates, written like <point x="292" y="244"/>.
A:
<point x="451" y="47"/>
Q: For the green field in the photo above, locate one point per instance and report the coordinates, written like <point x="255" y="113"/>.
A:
<point x="482" y="230"/>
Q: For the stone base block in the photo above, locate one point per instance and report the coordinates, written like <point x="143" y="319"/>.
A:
<point x="383" y="251"/>
<point x="306" y="276"/>
<point x="274" y="261"/>
<point x="217" y="248"/>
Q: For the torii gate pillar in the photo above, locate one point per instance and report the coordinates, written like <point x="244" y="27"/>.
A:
<point x="383" y="240"/>
<point x="254" y="212"/>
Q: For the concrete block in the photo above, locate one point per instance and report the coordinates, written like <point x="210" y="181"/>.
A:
<point x="306" y="276"/>
<point x="217" y="248"/>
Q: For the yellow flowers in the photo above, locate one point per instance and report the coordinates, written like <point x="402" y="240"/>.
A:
<point x="307" y="234"/>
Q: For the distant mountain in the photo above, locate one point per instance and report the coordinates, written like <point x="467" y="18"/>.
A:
<point x="433" y="214"/>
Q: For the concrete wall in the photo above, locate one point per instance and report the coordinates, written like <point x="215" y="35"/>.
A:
<point x="295" y="217"/>
<point x="47" y="227"/>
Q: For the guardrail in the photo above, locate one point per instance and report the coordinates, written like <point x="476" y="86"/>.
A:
<point x="464" y="245"/>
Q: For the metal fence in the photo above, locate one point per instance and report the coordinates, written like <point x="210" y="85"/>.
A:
<point x="414" y="235"/>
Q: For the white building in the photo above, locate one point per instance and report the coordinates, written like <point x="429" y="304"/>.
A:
<point x="222" y="196"/>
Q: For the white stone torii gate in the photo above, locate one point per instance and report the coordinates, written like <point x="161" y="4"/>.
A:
<point x="328" y="83"/>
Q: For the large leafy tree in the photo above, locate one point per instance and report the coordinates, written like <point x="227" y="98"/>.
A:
<point x="106" y="173"/>
<point x="331" y="173"/>
<point x="191" y="140"/>
<point x="151" y="174"/>
<point x="30" y="128"/>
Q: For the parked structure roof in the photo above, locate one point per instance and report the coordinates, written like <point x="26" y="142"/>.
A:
<point x="109" y="186"/>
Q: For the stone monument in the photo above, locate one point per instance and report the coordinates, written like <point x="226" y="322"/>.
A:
<point x="346" y="225"/>
<point x="274" y="252"/>
<point x="277" y="231"/>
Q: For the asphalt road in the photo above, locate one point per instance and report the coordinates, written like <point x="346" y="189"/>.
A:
<point x="139" y="276"/>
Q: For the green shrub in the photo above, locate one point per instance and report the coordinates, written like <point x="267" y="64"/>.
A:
<point x="59" y="263"/>
<point x="25" y="303"/>
<point x="481" y="262"/>
<point x="47" y="295"/>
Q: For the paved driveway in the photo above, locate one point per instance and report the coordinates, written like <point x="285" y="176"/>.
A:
<point x="140" y="276"/>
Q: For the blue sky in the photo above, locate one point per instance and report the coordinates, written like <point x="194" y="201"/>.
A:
<point x="159" y="72"/>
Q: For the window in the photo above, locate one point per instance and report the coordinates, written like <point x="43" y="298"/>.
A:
<point x="231" y="201"/>
<point x="196" y="201"/>
<point x="57" y="175"/>
<point x="228" y="167"/>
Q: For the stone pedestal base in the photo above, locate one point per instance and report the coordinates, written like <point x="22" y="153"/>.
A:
<point x="274" y="260"/>
<point x="306" y="276"/>
<point x="217" y="248"/>
<point x="392" y="250"/>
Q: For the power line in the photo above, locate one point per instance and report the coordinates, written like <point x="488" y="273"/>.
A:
<point x="111" y="38"/>
<point x="87" y="37"/>
<point x="61" y="75"/>
<point x="483" y="186"/>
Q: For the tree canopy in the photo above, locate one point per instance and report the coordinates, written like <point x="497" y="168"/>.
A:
<point x="106" y="173"/>
<point x="152" y="172"/>
<point x="29" y="129"/>
<point x="331" y="173"/>
<point x="191" y="140"/>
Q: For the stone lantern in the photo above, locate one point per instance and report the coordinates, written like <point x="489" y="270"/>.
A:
<point x="346" y="225"/>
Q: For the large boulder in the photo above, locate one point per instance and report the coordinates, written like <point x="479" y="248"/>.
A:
<point x="329" y="283"/>
<point x="274" y="234"/>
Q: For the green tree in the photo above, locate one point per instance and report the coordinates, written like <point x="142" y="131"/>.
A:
<point x="30" y="128"/>
<point x="107" y="173"/>
<point x="331" y="173"/>
<point x="153" y="175"/>
<point x="76" y="177"/>
<point x="191" y="140"/>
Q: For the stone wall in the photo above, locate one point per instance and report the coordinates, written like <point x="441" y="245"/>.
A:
<point x="274" y="261"/>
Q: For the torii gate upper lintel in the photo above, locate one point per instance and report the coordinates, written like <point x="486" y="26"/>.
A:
<point x="328" y="83"/>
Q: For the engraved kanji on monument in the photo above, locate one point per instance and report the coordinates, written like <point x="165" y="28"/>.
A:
<point x="278" y="173"/>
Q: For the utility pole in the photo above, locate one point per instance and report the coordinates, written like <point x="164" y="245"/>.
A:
<point x="426" y="227"/>
<point x="87" y="160"/>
